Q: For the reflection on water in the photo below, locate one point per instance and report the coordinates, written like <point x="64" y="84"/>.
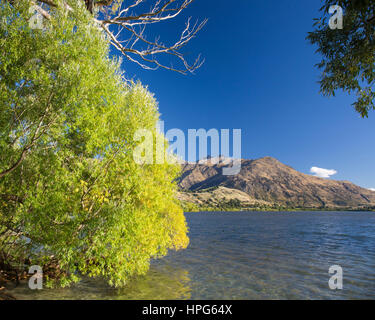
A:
<point x="252" y="256"/>
<point x="166" y="283"/>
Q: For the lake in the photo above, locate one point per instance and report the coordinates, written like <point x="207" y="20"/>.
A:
<point x="252" y="256"/>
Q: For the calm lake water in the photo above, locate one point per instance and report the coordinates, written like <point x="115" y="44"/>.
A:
<point x="252" y="256"/>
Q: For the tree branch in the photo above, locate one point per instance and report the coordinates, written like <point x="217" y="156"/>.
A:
<point x="126" y="31"/>
<point x="34" y="139"/>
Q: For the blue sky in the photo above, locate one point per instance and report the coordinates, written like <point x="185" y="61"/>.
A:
<point x="259" y="76"/>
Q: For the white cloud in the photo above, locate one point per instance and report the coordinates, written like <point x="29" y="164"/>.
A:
<point x="322" y="173"/>
<point x="371" y="189"/>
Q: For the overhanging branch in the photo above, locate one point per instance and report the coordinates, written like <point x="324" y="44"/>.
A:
<point x="125" y="25"/>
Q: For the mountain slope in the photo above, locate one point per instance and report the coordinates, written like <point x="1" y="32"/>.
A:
<point x="269" y="180"/>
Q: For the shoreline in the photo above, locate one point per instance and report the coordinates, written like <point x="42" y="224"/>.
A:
<point x="4" y="296"/>
<point x="236" y="210"/>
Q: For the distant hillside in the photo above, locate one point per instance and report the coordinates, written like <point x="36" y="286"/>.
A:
<point x="266" y="182"/>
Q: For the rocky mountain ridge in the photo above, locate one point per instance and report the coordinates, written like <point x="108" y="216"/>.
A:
<point x="268" y="182"/>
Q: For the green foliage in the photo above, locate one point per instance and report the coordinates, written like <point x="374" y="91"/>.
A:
<point x="348" y="55"/>
<point x="72" y="199"/>
<point x="189" y="206"/>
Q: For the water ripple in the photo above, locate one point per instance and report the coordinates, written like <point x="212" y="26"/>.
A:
<point x="253" y="256"/>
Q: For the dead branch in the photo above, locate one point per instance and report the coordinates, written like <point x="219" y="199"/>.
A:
<point x="126" y="27"/>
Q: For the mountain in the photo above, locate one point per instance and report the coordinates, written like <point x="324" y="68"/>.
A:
<point x="267" y="182"/>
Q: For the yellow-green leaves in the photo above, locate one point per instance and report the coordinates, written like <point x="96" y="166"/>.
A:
<point x="77" y="202"/>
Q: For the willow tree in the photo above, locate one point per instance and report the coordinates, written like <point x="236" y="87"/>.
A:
<point x="348" y="54"/>
<point x="72" y="198"/>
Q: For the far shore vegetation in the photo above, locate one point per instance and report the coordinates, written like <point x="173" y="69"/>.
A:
<point x="235" y="205"/>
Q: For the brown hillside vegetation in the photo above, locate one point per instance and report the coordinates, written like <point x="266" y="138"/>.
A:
<point x="267" y="180"/>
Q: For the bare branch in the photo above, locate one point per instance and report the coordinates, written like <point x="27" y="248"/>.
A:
<point x="127" y="31"/>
